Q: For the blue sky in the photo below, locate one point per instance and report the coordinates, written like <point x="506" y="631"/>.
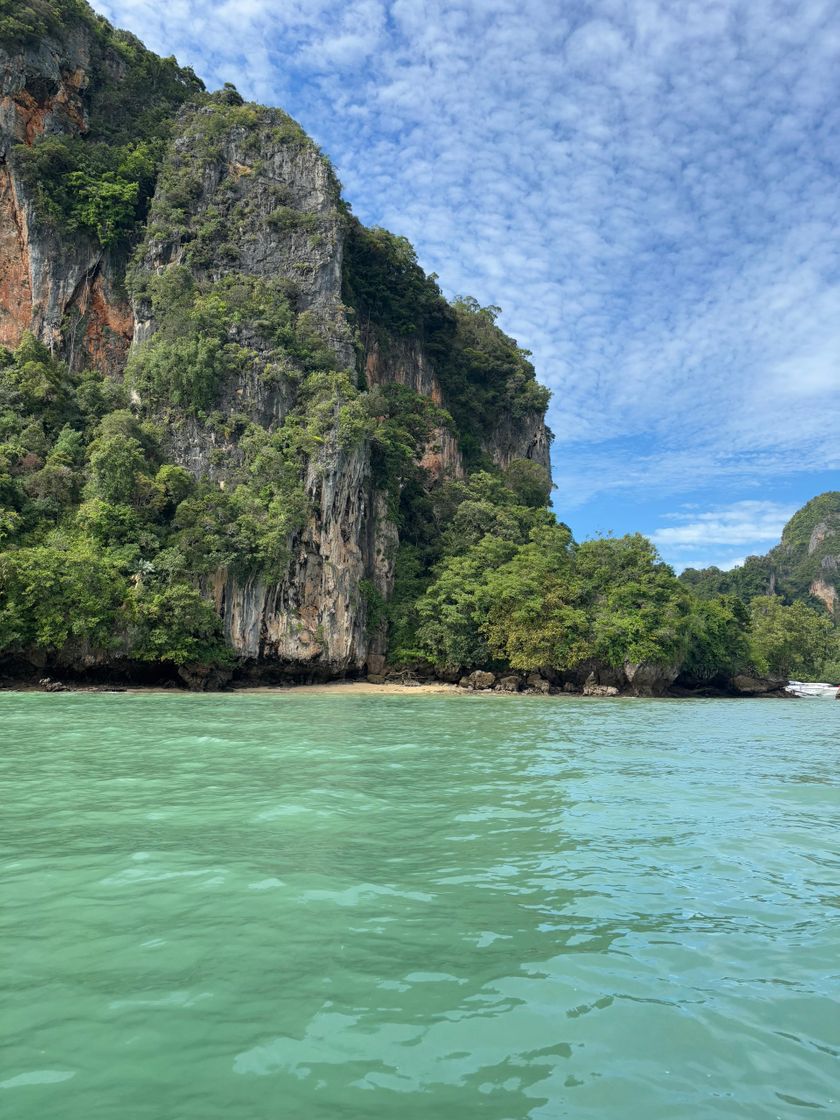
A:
<point x="649" y="189"/>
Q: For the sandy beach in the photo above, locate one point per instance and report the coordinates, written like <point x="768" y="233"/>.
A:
<point x="359" y="688"/>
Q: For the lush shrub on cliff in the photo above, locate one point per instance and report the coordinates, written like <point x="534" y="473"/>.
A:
<point x="387" y="286"/>
<point x="88" y="522"/>
<point x="91" y="187"/>
<point x="486" y="378"/>
<point x="209" y="333"/>
<point x="99" y="181"/>
<point x="28" y="21"/>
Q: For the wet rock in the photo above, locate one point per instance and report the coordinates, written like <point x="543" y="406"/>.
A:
<point x="593" y="688"/>
<point x="204" y="678"/>
<point x="757" y="686"/>
<point x="49" y="685"/>
<point x="449" y="676"/>
<point x="646" y="679"/>
<point x="510" y="683"/>
<point x="536" y="683"/>
<point x="479" y="680"/>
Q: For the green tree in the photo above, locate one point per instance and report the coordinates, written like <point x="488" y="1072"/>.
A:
<point x="177" y="625"/>
<point x="534" y="615"/>
<point x="51" y="597"/>
<point x="452" y="612"/>
<point x="114" y="465"/>
<point x="719" y="641"/>
<point x="529" y="482"/>
<point x="789" y="641"/>
<point x="640" y="612"/>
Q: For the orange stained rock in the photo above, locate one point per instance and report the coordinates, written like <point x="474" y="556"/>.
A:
<point x="109" y="327"/>
<point x="15" y="284"/>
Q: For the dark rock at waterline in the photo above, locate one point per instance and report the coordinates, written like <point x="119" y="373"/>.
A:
<point x="593" y="689"/>
<point x="448" y="676"/>
<point x="510" y="683"/>
<point x="479" y="680"/>
<point x="536" y="683"/>
<point x="204" y="678"/>
<point x="645" y="679"/>
<point x="757" y="686"/>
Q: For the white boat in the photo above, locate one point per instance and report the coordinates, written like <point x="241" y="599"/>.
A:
<point x="817" y="691"/>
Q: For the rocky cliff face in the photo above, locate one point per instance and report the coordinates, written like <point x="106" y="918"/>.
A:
<point x="806" y="562"/>
<point x="520" y="437"/>
<point x="241" y="199"/>
<point x="824" y="550"/>
<point x="405" y="362"/>
<point x="314" y="617"/>
<point x="64" y="288"/>
<point x="264" y="204"/>
<point x="804" y="566"/>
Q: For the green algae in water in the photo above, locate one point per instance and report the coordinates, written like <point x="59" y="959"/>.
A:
<point x="300" y="905"/>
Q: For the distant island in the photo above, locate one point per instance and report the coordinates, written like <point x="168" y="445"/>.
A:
<point x="245" y="439"/>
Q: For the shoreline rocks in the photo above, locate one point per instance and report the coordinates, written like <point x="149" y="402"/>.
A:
<point x="88" y="675"/>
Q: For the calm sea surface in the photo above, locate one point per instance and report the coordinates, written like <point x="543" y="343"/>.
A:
<point x="308" y="906"/>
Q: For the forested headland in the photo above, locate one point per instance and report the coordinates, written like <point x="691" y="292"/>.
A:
<point x="244" y="438"/>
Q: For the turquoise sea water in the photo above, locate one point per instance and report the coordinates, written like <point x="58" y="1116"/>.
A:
<point x="306" y="905"/>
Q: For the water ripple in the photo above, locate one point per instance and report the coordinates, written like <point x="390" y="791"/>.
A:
<point x="316" y="906"/>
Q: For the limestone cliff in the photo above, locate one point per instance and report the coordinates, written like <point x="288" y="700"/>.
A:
<point x="62" y="283"/>
<point x="806" y="562"/>
<point x="804" y="566"/>
<point x="195" y="249"/>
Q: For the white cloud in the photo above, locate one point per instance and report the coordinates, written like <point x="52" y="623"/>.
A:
<point x="754" y="525"/>
<point x="725" y="565"/>
<point x="593" y="44"/>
